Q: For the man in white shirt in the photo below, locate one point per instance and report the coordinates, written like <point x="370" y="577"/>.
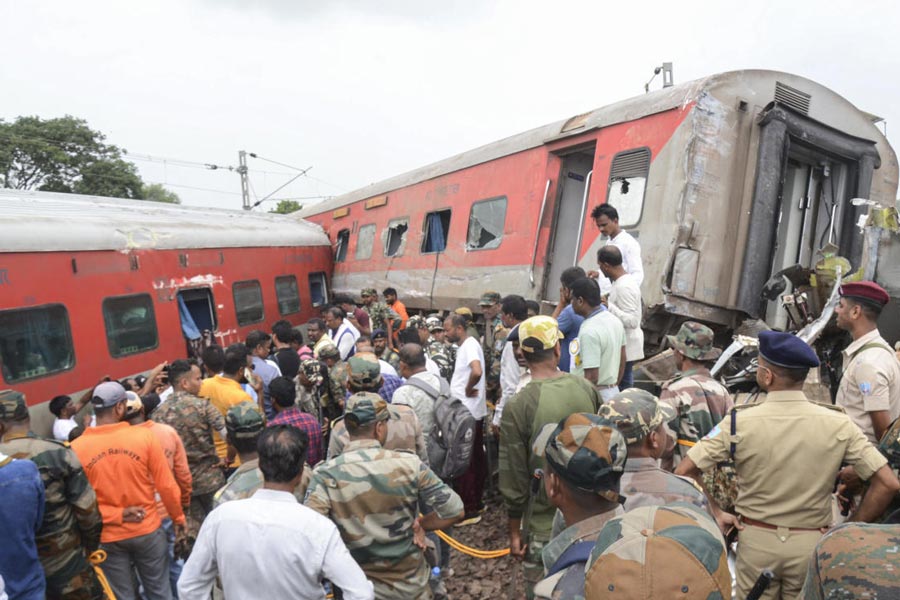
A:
<point x="343" y="332"/>
<point x="624" y="302"/>
<point x="269" y="545"/>
<point x="468" y="385"/>
<point x="65" y="409"/>
<point x="513" y="310"/>
<point x="606" y="217"/>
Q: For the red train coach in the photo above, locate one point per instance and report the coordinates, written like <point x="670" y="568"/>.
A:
<point x="98" y="286"/>
<point x="724" y="181"/>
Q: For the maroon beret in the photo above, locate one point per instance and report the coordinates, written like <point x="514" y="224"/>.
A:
<point x="867" y="291"/>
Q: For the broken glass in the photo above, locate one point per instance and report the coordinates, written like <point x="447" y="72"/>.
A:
<point x="486" y="224"/>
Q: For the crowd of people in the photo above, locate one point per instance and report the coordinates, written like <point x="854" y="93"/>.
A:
<point x="337" y="462"/>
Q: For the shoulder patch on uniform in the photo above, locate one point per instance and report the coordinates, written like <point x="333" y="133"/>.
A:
<point x="865" y="388"/>
<point x="827" y="405"/>
<point x="713" y="432"/>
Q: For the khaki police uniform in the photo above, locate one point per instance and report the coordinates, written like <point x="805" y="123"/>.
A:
<point x="787" y="453"/>
<point x="871" y="381"/>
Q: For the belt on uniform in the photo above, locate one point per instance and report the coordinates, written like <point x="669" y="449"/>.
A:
<point x="756" y="523"/>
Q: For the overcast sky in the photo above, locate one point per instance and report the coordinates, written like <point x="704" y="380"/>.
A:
<point x="361" y="90"/>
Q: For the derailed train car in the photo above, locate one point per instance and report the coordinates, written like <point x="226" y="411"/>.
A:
<point x="99" y="286"/>
<point x="725" y="181"/>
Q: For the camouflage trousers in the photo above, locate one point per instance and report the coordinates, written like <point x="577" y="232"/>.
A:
<point x="75" y="579"/>
<point x="533" y="564"/>
<point x="406" y="578"/>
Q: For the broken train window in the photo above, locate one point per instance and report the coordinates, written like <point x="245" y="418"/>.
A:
<point x="395" y="236"/>
<point x="436" y="226"/>
<point x="486" y="224"/>
<point x="340" y="245"/>
<point x="627" y="184"/>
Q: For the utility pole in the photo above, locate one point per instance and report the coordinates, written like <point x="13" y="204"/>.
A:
<point x="245" y="182"/>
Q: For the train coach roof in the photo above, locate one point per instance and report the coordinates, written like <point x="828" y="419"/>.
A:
<point x="48" y="221"/>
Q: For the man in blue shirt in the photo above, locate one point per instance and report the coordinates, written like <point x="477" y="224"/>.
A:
<point x="259" y="343"/>
<point x="21" y="514"/>
<point x="569" y="322"/>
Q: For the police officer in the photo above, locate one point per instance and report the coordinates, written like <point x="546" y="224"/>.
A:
<point x="787" y="451"/>
<point x="870" y="387"/>
<point x="70" y="530"/>
<point x="373" y="495"/>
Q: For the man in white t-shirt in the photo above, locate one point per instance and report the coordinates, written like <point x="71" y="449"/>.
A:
<point x="65" y="409"/>
<point x="606" y="218"/>
<point x="468" y="385"/>
<point x="342" y="331"/>
<point x="624" y="302"/>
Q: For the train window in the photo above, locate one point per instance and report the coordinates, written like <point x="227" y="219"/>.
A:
<point x="248" y="302"/>
<point x="130" y="325"/>
<point x="340" y="245"/>
<point x="288" y="294"/>
<point x="486" y="224"/>
<point x="365" y="239"/>
<point x="395" y="238"/>
<point x="437" y="226"/>
<point x="627" y="184"/>
<point x="35" y="342"/>
<point x="318" y="289"/>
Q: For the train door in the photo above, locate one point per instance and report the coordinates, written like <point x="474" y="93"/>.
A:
<point x="807" y="175"/>
<point x="197" y="312"/>
<point x="568" y="218"/>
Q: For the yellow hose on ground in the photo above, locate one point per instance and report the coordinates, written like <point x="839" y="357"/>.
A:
<point x="97" y="558"/>
<point x="474" y="552"/>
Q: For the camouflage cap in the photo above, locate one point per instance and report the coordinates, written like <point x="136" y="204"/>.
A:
<point x="329" y="351"/>
<point x="539" y="333"/>
<point x="366" y="408"/>
<point x="368" y="292"/>
<point x="312" y="370"/>
<point x="695" y="341"/>
<point x="133" y="404"/>
<point x="636" y="413"/>
<point x="585" y="450"/>
<point x="434" y="324"/>
<point x="650" y="552"/>
<point x="489" y="298"/>
<point x="365" y="370"/>
<point x="416" y="322"/>
<point x="12" y="406"/>
<point x="244" y="420"/>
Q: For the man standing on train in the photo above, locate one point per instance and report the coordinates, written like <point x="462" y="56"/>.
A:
<point x="606" y="217"/>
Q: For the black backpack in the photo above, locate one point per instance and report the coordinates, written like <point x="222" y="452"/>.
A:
<point x="451" y="437"/>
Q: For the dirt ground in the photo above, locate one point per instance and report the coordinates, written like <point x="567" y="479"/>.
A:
<point x="473" y="578"/>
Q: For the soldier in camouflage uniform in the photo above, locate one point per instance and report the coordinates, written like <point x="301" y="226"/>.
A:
<point x="310" y="381"/>
<point x="366" y="475"/>
<point x="656" y="552"/>
<point x="383" y="350"/>
<point x="70" y="530"/>
<point x="584" y="457"/>
<point x="700" y="401"/>
<point x="381" y="316"/>
<point x="854" y="560"/>
<point x="245" y="423"/>
<point x="195" y="419"/>
<point x="437" y="349"/>
<point x="404" y="430"/>
<point x="641" y="419"/>
<point x="492" y="342"/>
<point x="336" y="383"/>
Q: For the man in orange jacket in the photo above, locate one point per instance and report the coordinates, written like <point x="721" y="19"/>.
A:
<point x="126" y="466"/>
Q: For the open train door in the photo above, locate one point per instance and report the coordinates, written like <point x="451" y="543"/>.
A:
<point x="807" y="174"/>
<point x="568" y="218"/>
<point x="197" y="311"/>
